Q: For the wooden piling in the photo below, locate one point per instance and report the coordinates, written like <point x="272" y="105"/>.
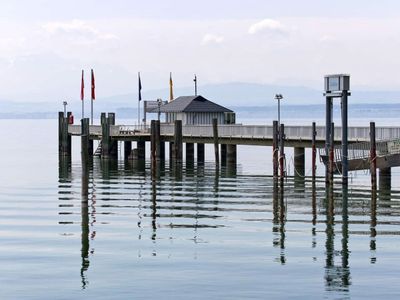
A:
<point x="275" y="149"/>
<point x="61" y="129"/>
<point x="141" y="150"/>
<point x="215" y="135"/>
<point x="127" y="149"/>
<point x="105" y="137"/>
<point x="113" y="143"/>
<point x="68" y="137"/>
<point x="162" y="150"/>
<point x="157" y="139"/>
<point x="64" y="139"/>
<point x="282" y="152"/>
<point x="178" y="141"/>
<point x="313" y="152"/>
<point x="200" y="153"/>
<point x="372" y="157"/>
<point x="223" y="151"/>
<point x="231" y="154"/>
<point x="153" y="140"/>
<point x="85" y="140"/>
<point x="189" y="152"/>
<point x="332" y="154"/>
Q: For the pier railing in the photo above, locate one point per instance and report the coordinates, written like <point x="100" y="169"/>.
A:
<point x="355" y="134"/>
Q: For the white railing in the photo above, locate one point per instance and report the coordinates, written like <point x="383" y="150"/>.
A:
<point x="246" y="131"/>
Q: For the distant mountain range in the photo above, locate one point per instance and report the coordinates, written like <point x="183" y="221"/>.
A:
<point x="248" y="98"/>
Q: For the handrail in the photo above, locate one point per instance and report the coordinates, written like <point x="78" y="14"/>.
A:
<point x="355" y="134"/>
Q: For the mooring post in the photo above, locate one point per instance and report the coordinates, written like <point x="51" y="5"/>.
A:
<point x="68" y="136"/>
<point x="275" y="149"/>
<point x="215" y="135"/>
<point x="345" y="163"/>
<point x="189" y="152"/>
<point x="61" y="129"/>
<point x="328" y="121"/>
<point x="85" y="140"/>
<point x="153" y="141"/>
<point x="105" y="136"/>
<point x="127" y="149"/>
<point x="162" y="149"/>
<point x="113" y="144"/>
<point x="223" y="152"/>
<point x="157" y="139"/>
<point x="331" y="154"/>
<point x="313" y="152"/>
<point x="141" y="150"/>
<point x="178" y="141"/>
<point x="231" y="154"/>
<point x="385" y="176"/>
<point x="372" y="157"/>
<point x="282" y="152"/>
<point x="200" y="153"/>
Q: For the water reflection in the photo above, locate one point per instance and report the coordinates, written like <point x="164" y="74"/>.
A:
<point x="279" y="220"/>
<point x="337" y="276"/>
<point x="200" y="204"/>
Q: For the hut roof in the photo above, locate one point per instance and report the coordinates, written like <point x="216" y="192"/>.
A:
<point x="192" y="104"/>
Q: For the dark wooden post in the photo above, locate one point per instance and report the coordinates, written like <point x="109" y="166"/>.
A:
<point x="153" y="140"/>
<point x="215" y="134"/>
<point x="313" y="152"/>
<point x="223" y="149"/>
<point x="231" y="154"/>
<point x="178" y="141"/>
<point x="162" y="149"/>
<point x="275" y="149"/>
<point x="68" y="136"/>
<point x="141" y="150"/>
<point x="331" y="153"/>
<point x="85" y="140"/>
<point x="113" y="143"/>
<point x="372" y="156"/>
<point x="61" y="133"/>
<point x="157" y="139"/>
<point x="127" y="149"/>
<point x="282" y="152"/>
<point x="200" y="153"/>
<point x="189" y="152"/>
<point x="105" y="137"/>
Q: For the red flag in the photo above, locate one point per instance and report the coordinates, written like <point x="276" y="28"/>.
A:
<point x="93" y="86"/>
<point x="82" y="88"/>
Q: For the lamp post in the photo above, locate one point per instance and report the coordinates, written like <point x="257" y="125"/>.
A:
<point x="279" y="97"/>
<point x="65" y="103"/>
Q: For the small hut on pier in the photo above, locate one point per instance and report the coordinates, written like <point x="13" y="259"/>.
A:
<point x="196" y="110"/>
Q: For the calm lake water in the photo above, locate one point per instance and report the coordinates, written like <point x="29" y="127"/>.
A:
<point x="189" y="233"/>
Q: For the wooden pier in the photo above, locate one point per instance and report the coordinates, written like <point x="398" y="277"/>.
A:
<point x="225" y="138"/>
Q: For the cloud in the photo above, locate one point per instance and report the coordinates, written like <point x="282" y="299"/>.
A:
<point x="77" y="30"/>
<point x="268" y="26"/>
<point x="212" y="39"/>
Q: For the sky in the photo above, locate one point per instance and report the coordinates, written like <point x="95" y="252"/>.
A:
<point x="45" y="44"/>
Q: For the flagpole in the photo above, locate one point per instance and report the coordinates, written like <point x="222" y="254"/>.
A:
<point x="92" y="94"/>
<point x="82" y="96"/>
<point x="139" y="98"/>
<point x="195" y="84"/>
<point x="91" y="111"/>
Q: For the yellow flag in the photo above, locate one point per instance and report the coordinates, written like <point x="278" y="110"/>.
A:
<point x="171" y="92"/>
